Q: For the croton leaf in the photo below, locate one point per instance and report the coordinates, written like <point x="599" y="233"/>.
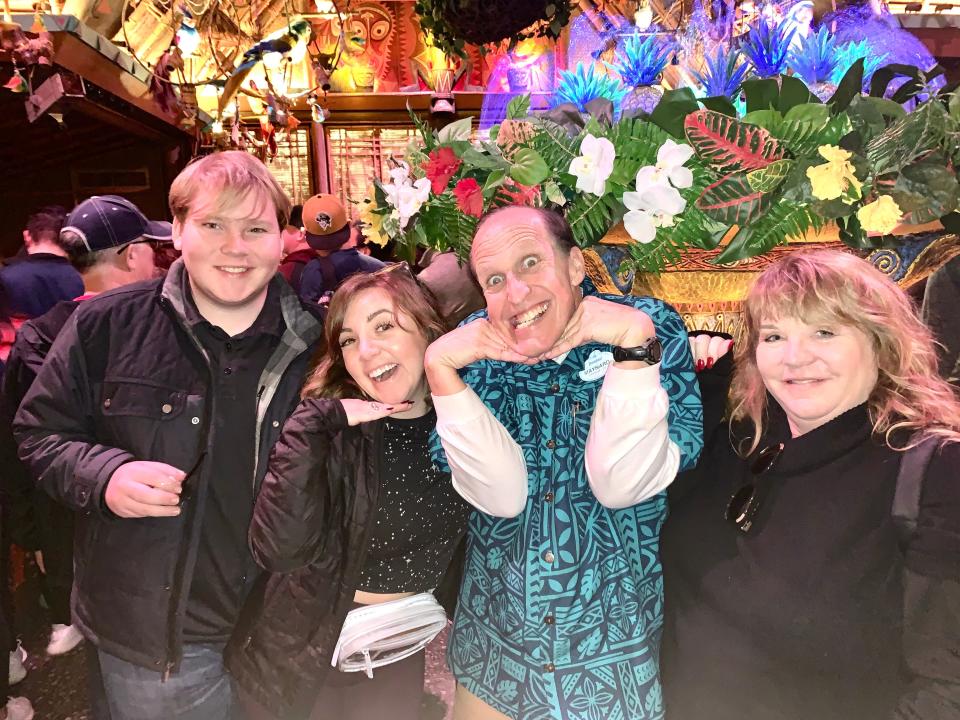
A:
<point x="768" y="179"/>
<point x="728" y="145"/>
<point x="732" y="201"/>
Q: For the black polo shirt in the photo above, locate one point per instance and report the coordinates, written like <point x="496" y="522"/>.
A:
<point x="225" y="569"/>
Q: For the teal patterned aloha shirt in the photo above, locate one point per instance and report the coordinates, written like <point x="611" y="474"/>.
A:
<point x="578" y="638"/>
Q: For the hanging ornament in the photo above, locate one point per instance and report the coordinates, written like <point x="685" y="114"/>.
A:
<point x="17" y="83"/>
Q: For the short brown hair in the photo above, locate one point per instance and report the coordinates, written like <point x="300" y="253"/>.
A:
<point x="233" y="174"/>
<point x="45" y="223"/>
<point x="330" y="379"/>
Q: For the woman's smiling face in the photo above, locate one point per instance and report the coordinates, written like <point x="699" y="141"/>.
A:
<point x="815" y="371"/>
<point x="383" y="351"/>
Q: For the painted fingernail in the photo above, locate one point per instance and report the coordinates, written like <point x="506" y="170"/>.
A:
<point x="710" y="362"/>
<point x="699" y="365"/>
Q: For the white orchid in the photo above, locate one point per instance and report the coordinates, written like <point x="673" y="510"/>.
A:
<point x="650" y="208"/>
<point x="400" y="174"/>
<point x="594" y="165"/>
<point x="406" y="198"/>
<point x="669" y="168"/>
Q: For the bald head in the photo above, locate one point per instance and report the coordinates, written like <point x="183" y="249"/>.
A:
<point x="529" y="271"/>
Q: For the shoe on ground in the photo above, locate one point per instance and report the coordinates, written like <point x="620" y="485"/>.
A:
<point x="19" y="708"/>
<point x="63" y="639"/>
<point x="17" y="670"/>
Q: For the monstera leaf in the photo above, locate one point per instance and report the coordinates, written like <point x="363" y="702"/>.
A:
<point x="732" y="200"/>
<point x="728" y="145"/>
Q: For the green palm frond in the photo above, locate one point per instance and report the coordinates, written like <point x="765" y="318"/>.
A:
<point x="636" y="142"/>
<point x="590" y="217"/>
<point x="445" y="227"/>
<point x="554" y="145"/>
<point x="783" y="221"/>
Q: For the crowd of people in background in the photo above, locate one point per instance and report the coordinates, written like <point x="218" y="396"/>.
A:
<point x="259" y="469"/>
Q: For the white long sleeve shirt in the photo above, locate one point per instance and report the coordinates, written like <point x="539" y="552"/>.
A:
<point x="629" y="456"/>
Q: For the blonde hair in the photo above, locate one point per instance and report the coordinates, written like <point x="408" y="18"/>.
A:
<point x="330" y="379"/>
<point x="230" y="176"/>
<point x="837" y="287"/>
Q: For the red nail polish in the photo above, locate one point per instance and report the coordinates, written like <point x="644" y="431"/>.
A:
<point x="699" y="365"/>
<point x="710" y="362"/>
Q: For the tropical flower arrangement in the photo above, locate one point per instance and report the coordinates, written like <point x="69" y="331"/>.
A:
<point x="691" y="173"/>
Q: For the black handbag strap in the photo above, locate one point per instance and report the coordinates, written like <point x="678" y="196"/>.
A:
<point x="906" y="498"/>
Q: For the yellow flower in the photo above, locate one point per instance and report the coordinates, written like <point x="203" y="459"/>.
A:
<point x="834" y="154"/>
<point x="882" y="215"/>
<point x="373" y="223"/>
<point x="836" y="177"/>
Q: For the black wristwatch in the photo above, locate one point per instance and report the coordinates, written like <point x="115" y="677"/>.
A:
<point x="649" y="352"/>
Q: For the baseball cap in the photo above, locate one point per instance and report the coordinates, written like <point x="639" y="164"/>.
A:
<point x="325" y="222"/>
<point x="111" y="221"/>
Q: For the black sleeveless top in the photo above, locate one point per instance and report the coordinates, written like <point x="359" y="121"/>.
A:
<point x="420" y="518"/>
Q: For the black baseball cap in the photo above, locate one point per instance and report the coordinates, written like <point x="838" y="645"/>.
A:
<point x="111" y="221"/>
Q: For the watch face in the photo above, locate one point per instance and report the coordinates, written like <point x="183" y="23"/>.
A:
<point x="655" y="351"/>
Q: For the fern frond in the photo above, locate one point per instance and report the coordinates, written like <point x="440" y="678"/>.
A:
<point x="554" y="145"/>
<point x="775" y="227"/>
<point x="590" y="217"/>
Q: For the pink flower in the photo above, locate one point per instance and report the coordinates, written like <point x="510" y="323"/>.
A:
<point x="440" y="168"/>
<point x="469" y="197"/>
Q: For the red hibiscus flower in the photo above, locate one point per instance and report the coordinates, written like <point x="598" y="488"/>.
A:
<point x="440" y="168"/>
<point x="469" y="197"/>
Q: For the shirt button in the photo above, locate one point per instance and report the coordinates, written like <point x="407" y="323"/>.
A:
<point x="106" y="403"/>
<point x="551" y="444"/>
<point x="548" y="557"/>
<point x="195" y="420"/>
<point x="228" y="346"/>
<point x="166" y="408"/>
<point x="549" y="620"/>
<point x="555" y="388"/>
<point x="276" y="423"/>
<point x="548" y="497"/>
<point x="227" y="371"/>
<point x="549" y="667"/>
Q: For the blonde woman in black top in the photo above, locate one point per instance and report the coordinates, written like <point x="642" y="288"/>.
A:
<point x="790" y="593"/>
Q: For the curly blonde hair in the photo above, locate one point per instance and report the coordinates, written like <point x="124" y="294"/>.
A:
<point x="836" y="287"/>
<point x="329" y="378"/>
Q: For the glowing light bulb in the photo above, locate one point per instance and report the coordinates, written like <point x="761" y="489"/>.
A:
<point x="216" y="127"/>
<point x="188" y="39"/>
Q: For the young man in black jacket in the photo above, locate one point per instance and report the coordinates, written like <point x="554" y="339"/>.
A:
<point x="154" y="416"/>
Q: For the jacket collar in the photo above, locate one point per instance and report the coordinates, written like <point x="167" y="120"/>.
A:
<point x="302" y="327"/>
